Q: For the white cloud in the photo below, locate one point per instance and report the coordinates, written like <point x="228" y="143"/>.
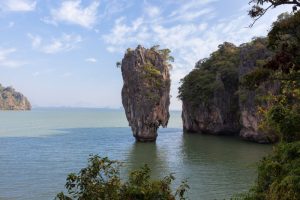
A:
<point x="35" y="40"/>
<point x="91" y="60"/>
<point x="74" y="13"/>
<point x="112" y="7"/>
<point x="64" y="43"/>
<point x="18" y="5"/>
<point x="49" y="20"/>
<point x="152" y="11"/>
<point x="190" y="16"/>
<point x="7" y="61"/>
<point x="189" y="38"/>
<point x="192" y="10"/>
<point x="123" y="34"/>
<point x="189" y="41"/>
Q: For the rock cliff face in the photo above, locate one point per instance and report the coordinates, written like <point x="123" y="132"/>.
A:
<point x="219" y="117"/>
<point x="12" y="100"/>
<point x="250" y="55"/>
<point x="145" y="93"/>
<point x="216" y="111"/>
<point x="228" y="108"/>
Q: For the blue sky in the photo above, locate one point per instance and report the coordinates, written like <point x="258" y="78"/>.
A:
<point x="64" y="52"/>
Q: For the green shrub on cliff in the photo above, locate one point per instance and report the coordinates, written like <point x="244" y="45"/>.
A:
<point x="199" y="85"/>
<point x="253" y="80"/>
<point x="283" y="114"/>
<point x="283" y="111"/>
<point x="153" y="75"/>
<point x="101" y="180"/>
<point x="165" y="53"/>
<point x="284" y="41"/>
<point x="151" y="70"/>
<point x="278" y="175"/>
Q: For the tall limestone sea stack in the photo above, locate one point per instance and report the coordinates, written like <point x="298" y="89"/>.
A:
<point x="145" y="93"/>
<point x="12" y="100"/>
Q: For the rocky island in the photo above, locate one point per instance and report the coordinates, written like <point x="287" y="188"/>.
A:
<point x="215" y="100"/>
<point x="145" y="93"/>
<point x="12" y="100"/>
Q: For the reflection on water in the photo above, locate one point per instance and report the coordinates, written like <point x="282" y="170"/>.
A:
<point x="140" y="154"/>
<point x="222" y="164"/>
<point x="36" y="167"/>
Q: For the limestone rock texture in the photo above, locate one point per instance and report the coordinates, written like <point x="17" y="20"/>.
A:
<point x="13" y="100"/>
<point x="214" y="100"/>
<point x="214" y="109"/>
<point x="146" y="91"/>
<point x="219" y="117"/>
<point x="249" y="118"/>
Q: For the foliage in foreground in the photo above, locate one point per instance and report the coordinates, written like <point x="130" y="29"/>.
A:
<point x="283" y="112"/>
<point x="278" y="175"/>
<point x="101" y="180"/>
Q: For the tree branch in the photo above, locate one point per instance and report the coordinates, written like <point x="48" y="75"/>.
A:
<point x="265" y="10"/>
<point x="274" y="4"/>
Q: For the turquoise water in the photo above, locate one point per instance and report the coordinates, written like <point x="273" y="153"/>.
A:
<point x="39" y="148"/>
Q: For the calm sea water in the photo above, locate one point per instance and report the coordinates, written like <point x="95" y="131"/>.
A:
<point x="39" y="148"/>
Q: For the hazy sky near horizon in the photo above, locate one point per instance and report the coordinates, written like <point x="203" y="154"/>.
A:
<point x="64" y="52"/>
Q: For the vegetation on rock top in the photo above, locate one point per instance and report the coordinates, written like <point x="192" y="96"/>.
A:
<point x="200" y="84"/>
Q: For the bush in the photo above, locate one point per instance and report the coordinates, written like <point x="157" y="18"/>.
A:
<point x="199" y="85"/>
<point x="101" y="180"/>
<point x="253" y="80"/>
<point x="278" y="175"/>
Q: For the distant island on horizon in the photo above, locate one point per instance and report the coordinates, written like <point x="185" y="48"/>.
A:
<point x="10" y="99"/>
<point x="35" y="107"/>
